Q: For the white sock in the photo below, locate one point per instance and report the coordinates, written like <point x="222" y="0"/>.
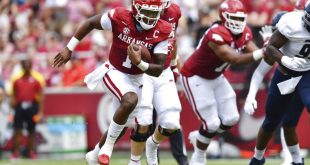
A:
<point x="113" y="133"/>
<point x="295" y="152"/>
<point x="259" y="154"/>
<point x="135" y="158"/>
<point x="286" y="155"/>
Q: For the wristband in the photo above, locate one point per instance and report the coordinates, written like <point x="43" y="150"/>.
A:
<point x="72" y="43"/>
<point x="143" y="66"/>
<point x="258" y="54"/>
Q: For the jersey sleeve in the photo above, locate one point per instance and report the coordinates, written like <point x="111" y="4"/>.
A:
<point x="105" y="21"/>
<point x="215" y="37"/>
<point x="285" y="26"/>
<point x="162" y="47"/>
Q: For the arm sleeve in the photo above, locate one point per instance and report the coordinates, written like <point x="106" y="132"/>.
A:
<point x="258" y="77"/>
<point x="162" y="47"/>
<point x="106" y="22"/>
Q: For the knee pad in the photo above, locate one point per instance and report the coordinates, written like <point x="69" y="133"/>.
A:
<point x="136" y="136"/>
<point x="166" y="132"/>
<point x="231" y="120"/>
<point x="214" y="125"/>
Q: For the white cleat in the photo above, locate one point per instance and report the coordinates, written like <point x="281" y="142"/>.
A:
<point x="151" y="152"/>
<point x="132" y="162"/>
<point x="196" y="159"/>
<point x="91" y="158"/>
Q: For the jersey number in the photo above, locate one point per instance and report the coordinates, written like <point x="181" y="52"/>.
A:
<point x="305" y="51"/>
<point x="127" y="63"/>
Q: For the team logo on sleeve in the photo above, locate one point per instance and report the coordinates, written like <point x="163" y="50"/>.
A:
<point x="217" y="37"/>
<point x="126" y="30"/>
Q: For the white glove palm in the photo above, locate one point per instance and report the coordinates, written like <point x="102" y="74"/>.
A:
<point x="293" y="62"/>
<point x="250" y="106"/>
<point x="266" y="32"/>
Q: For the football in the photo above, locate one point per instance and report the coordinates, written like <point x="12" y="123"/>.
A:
<point x="145" y="53"/>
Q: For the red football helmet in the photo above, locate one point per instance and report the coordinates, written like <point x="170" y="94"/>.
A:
<point x="233" y="16"/>
<point x="147" y="12"/>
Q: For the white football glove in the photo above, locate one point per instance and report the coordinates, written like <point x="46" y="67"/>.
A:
<point x="266" y="32"/>
<point x="293" y="62"/>
<point x="250" y="106"/>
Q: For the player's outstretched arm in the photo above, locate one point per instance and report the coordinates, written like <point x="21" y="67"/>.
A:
<point x="273" y="53"/>
<point x="229" y="55"/>
<point x="64" y="56"/>
<point x="257" y="78"/>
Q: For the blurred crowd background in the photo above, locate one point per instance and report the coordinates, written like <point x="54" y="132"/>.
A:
<point x="40" y="28"/>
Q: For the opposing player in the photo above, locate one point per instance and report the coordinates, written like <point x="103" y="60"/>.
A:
<point x="287" y="94"/>
<point x="209" y="93"/>
<point x="159" y="93"/>
<point x="122" y="74"/>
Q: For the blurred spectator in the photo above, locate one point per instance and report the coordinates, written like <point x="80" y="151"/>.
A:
<point x="27" y="96"/>
<point x="73" y="74"/>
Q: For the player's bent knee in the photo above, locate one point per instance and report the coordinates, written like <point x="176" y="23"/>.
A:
<point x="140" y="133"/>
<point x="170" y="120"/>
<point x="173" y="125"/>
<point x="213" y="125"/>
<point x="231" y="120"/>
<point x="129" y="100"/>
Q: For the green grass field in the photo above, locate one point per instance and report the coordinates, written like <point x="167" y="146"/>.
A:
<point x="121" y="159"/>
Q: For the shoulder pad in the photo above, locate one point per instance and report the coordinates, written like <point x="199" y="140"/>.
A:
<point x="219" y="34"/>
<point x="290" y="23"/>
<point x="164" y="27"/>
<point x="176" y="9"/>
<point x="121" y="14"/>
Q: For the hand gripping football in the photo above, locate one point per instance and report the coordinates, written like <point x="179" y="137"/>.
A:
<point x="145" y="53"/>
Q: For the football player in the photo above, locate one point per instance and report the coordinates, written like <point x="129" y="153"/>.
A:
<point x="209" y="93"/>
<point x="122" y="74"/>
<point x="290" y="114"/>
<point x="159" y="93"/>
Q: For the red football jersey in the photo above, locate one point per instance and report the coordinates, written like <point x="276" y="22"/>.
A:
<point x="125" y="33"/>
<point x="171" y="15"/>
<point x="204" y="62"/>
